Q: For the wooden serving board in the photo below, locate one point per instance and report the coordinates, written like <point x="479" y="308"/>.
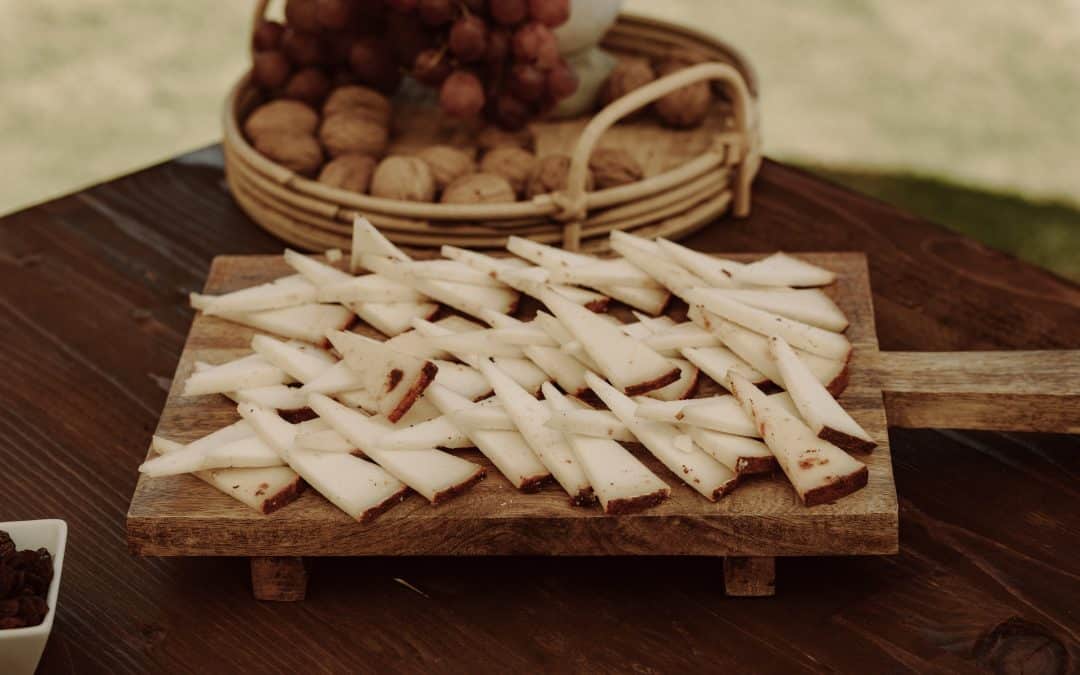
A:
<point x="761" y="519"/>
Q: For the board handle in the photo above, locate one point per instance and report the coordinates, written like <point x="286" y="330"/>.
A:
<point x="998" y="391"/>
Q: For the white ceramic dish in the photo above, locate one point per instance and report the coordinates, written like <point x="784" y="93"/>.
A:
<point x="21" y="648"/>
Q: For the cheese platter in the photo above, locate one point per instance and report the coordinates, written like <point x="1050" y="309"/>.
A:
<point x="745" y="419"/>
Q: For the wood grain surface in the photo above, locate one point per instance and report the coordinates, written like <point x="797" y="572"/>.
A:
<point x="93" y="316"/>
<point x="181" y="515"/>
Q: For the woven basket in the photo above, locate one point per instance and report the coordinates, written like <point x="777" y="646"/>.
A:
<point x="692" y="176"/>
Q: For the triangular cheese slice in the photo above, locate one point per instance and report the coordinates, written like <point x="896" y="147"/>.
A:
<point x="367" y="239"/>
<point x="472" y="300"/>
<point x="507" y="449"/>
<point x="243" y="373"/>
<point x="392" y="319"/>
<point x="809" y="305"/>
<point x="781" y="269"/>
<point x="193" y="455"/>
<point x="690" y="464"/>
<point x="265" y="489"/>
<point x="302" y="362"/>
<point x="819" y="471"/>
<point x="395" y="379"/>
<point x="649" y="258"/>
<point x="284" y="292"/>
<point x="816" y="405"/>
<point x="309" y="323"/>
<point x="621" y="482"/>
<point x="359" y="488"/>
<point x="435" y="474"/>
<point x="530" y="416"/>
<point x="681" y="388"/>
<point x="588" y="422"/>
<point x="740" y="454"/>
<point x="716" y="271"/>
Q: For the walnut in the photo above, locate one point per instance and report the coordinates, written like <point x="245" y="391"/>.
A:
<point x="629" y="74"/>
<point x="550" y="176"/>
<point x="478" y="188"/>
<point x="404" y="178"/>
<point x="281" y="116"/>
<point x="687" y="107"/>
<point x="354" y="97"/>
<point x="309" y="85"/>
<point x="513" y="164"/>
<point x="614" y="166"/>
<point x="299" y="152"/>
<point x="348" y="172"/>
<point x="447" y="163"/>
<point x="492" y="137"/>
<point x="348" y="133"/>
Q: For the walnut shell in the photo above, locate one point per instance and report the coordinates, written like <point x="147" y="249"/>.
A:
<point x="612" y="167"/>
<point x="349" y="172"/>
<point x="299" y="152"/>
<point x="492" y="137"/>
<point x="348" y="133"/>
<point x="687" y="107"/>
<point x="405" y="178"/>
<point x="627" y="75"/>
<point x="281" y="116"/>
<point x="513" y="164"/>
<point x="550" y="176"/>
<point x="447" y="163"/>
<point x="309" y="85"/>
<point x="479" y="188"/>
<point x="354" y="97"/>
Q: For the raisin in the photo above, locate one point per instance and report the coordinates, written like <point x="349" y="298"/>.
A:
<point x="8" y="608"/>
<point x="12" y="622"/>
<point x="6" y="544"/>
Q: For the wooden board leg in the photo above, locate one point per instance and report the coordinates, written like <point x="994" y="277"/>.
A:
<point x="279" y="579"/>
<point x="750" y="576"/>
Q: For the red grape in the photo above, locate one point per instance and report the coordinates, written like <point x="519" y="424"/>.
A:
<point x="303" y="49"/>
<point x="462" y="95"/>
<point x="333" y="14"/>
<point x="437" y="12"/>
<point x="402" y="5"/>
<point x="267" y="35"/>
<point x="527" y="82"/>
<point x="370" y="59"/>
<point x="301" y="15"/>
<point x="498" y="47"/>
<point x="535" y="43"/>
<point x="407" y="37"/>
<point x="468" y="38"/>
<point x="431" y="67"/>
<point x="270" y="69"/>
<point x="510" y="113"/>
<point x="562" y="81"/>
<point x="550" y="12"/>
<point x="509" y="12"/>
<point x="476" y="6"/>
<point x="309" y="85"/>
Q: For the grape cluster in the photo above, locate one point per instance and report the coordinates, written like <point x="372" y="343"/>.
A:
<point x="496" y="58"/>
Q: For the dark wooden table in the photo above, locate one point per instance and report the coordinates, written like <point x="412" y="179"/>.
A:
<point x="93" y="313"/>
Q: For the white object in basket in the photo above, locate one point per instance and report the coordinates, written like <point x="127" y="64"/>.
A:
<point x="21" y="648"/>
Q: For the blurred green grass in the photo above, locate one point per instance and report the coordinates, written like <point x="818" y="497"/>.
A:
<point x="964" y="114"/>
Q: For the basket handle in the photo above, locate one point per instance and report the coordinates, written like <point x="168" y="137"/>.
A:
<point x="260" y="13"/>
<point x="572" y="200"/>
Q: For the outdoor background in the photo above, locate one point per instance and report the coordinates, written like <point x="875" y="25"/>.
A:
<point x="965" y="112"/>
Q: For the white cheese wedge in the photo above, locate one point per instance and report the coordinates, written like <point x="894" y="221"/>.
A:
<point x="717" y="361"/>
<point x="690" y="464"/>
<point x="396" y="380"/>
<point x="479" y="343"/>
<point x="243" y="373"/>
<point x="435" y="474"/>
<point x="462" y="378"/>
<point x="484" y="418"/>
<point x="451" y="270"/>
<point x="361" y="489"/>
<point x="284" y="292"/>
<point x="681" y="388"/>
<point x="628" y="363"/>
<point x="647" y="256"/>
<point x="587" y="422"/>
<point x="521" y="369"/>
<point x="490" y="265"/>
<point x="302" y="362"/>
<point x="369" y="288"/>
<point x="616" y="272"/>
<point x="530" y="416"/>
<point x="819" y="471"/>
<point x="317" y="273"/>
<point x="621" y="482"/>
<point x="815" y="404"/>
<point x="753" y="348"/>
<point x="278" y="397"/>
<point x="719" y="413"/>
<point x="506" y="448"/>
<point x="781" y="269"/>
<point x="809" y="306"/>
<point x="670" y="341"/>
<point x="471" y="300"/>
<point x="309" y="323"/>
<point x="415" y="343"/>
<point x="193" y="456"/>
<point x="650" y="300"/>
<point x="392" y="319"/>
<point x="264" y="489"/>
<point x="367" y="239"/>
<point x="440" y="432"/>
<point x="740" y="454"/>
<point x="323" y="440"/>
<point x="716" y="271"/>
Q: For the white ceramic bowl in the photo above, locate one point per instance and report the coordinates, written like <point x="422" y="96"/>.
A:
<point x="21" y="648"/>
